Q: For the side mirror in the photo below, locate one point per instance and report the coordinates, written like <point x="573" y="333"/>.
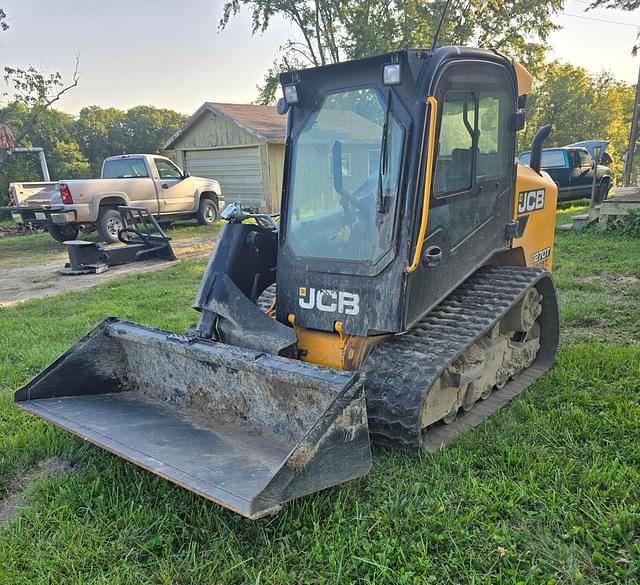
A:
<point x="282" y="107"/>
<point x="519" y="120"/>
<point x="185" y="174"/>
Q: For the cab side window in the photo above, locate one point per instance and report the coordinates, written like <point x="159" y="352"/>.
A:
<point x="454" y="165"/>
<point x="493" y="135"/>
<point x="585" y="159"/>
<point x="166" y="170"/>
<point x="574" y="159"/>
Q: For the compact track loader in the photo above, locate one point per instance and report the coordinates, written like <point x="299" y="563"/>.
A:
<point x="403" y="296"/>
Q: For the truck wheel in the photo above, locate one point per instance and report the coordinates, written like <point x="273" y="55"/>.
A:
<point x="207" y="212"/>
<point x="109" y="223"/>
<point x="62" y="233"/>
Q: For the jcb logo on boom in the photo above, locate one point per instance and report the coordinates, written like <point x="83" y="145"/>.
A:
<point x="531" y="201"/>
<point x="329" y="301"/>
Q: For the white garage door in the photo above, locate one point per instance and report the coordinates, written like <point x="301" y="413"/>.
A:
<point x="237" y="170"/>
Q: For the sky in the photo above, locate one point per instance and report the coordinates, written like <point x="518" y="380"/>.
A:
<point x="170" y="53"/>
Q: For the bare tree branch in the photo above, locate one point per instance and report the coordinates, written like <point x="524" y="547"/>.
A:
<point x="38" y="93"/>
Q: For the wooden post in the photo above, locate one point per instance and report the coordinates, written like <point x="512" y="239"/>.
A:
<point x="633" y="135"/>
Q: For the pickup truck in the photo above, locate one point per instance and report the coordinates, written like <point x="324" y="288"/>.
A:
<point x="143" y="180"/>
<point x="572" y="170"/>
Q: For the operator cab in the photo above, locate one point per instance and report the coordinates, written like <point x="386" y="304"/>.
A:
<point x="357" y="156"/>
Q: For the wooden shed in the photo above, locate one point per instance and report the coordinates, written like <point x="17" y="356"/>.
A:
<point x="239" y="145"/>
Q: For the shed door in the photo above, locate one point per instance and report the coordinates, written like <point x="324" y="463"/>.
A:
<point x="238" y="171"/>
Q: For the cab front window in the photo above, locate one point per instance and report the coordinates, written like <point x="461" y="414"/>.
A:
<point x="345" y="174"/>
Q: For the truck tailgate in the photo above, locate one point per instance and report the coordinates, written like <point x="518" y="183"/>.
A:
<point x="35" y="194"/>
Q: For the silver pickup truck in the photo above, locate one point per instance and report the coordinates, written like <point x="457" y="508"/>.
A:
<point x="143" y="180"/>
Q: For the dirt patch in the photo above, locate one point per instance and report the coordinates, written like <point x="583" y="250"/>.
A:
<point x="24" y="283"/>
<point x="621" y="281"/>
<point x="52" y="466"/>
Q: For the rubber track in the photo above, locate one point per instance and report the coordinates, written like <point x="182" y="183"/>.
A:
<point x="400" y="371"/>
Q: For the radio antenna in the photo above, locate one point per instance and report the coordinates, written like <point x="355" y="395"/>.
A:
<point x="442" y="17"/>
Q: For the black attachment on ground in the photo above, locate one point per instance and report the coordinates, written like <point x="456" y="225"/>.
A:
<point x="142" y="239"/>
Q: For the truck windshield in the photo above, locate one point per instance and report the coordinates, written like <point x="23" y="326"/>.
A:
<point x="345" y="173"/>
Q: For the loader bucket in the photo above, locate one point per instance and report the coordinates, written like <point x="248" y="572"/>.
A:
<point x="242" y="428"/>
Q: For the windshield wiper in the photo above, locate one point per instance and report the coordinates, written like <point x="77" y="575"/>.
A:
<point x="383" y="202"/>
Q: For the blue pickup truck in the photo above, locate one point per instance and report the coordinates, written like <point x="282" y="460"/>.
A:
<point x="571" y="167"/>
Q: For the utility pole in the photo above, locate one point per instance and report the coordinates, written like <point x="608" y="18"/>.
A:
<point x="633" y="135"/>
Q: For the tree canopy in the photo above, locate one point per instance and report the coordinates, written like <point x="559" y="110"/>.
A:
<point x="334" y="30"/>
<point x="76" y="147"/>
<point x="102" y="132"/>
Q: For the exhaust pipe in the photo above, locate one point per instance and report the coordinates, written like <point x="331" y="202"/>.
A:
<point x="536" y="147"/>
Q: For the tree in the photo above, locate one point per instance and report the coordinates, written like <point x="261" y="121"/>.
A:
<point x="100" y="132"/>
<point x="35" y="90"/>
<point x="333" y="30"/>
<point x="148" y="129"/>
<point x="103" y="132"/>
<point x="53" y="131"/>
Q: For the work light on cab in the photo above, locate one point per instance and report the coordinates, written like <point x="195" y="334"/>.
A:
<point x="290" y="94"/>
<point x="391" y="74"/>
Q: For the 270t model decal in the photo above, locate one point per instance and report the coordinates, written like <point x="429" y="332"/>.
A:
<point x="329" y="301"/>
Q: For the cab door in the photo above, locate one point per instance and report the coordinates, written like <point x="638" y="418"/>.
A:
<point x="558" y="163"/>
<point x="176" y="191"/>
<point x="582" y="174"/>
<point x="471" y="198"/>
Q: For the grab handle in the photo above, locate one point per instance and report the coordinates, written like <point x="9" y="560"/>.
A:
<point x="428" y="176"/>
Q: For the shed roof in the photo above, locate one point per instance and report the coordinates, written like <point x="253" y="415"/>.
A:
<point x="261" y="121"/>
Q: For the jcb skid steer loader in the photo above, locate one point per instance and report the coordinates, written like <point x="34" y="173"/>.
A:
<point x="404" y="295"/>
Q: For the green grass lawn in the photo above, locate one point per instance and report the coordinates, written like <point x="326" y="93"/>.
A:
<point x="546" y="491"/>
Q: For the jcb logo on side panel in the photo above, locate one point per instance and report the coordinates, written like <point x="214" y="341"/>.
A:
<point x="329" y="301"/>
<point x="530" y="201"/>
